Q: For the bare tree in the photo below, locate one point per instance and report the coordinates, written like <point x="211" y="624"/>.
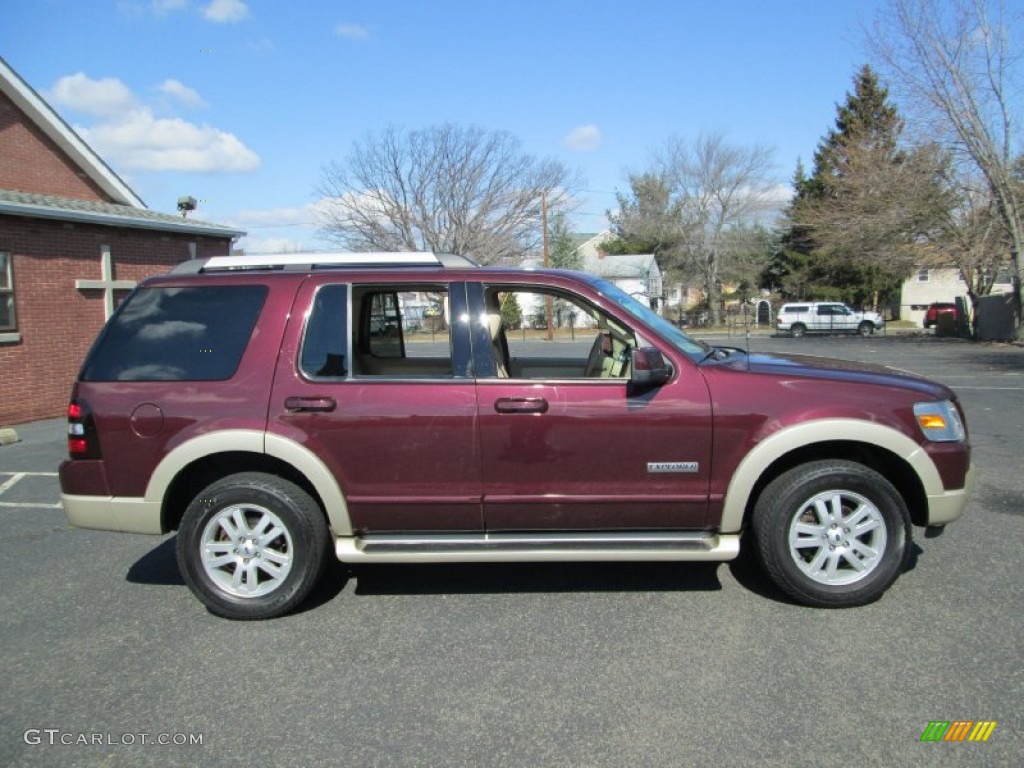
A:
<point x="445" y="189"/>
<point x="973" y="239"/>
<point x="717" y="188"/>
<point x="954" y="65"/>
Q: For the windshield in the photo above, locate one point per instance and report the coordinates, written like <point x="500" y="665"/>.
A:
<point x="669" y="332"/>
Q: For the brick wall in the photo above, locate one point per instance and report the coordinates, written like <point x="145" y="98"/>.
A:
<point x="56" y="321"/>
<point x="31" y="162"/>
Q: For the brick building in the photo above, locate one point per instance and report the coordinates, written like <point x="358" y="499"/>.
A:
<point x="74" y="238"/>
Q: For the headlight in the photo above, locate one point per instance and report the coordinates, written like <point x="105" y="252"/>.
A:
<point x="940" y="422"/>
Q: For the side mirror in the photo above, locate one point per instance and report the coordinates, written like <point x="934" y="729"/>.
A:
<point x="648" y="368"/>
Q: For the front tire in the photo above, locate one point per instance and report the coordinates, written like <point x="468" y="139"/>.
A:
<point x="866" y="328"/>
<point x="832" y="534"/>
<point x="252" y="546"/>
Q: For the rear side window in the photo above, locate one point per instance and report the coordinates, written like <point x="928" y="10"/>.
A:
<point x="795" y="308"/>
<point x="325" y="346"/>
<point x="177" y="334"/>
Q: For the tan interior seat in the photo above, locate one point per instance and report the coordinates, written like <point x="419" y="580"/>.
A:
<point x="497" y="347"/>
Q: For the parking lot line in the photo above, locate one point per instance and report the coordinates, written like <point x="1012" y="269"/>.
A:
<point x="13" y="479"/>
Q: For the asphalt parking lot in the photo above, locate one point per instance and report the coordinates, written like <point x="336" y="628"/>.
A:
<point x="106" y="654"/>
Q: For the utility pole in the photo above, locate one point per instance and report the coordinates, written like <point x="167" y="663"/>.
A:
<point x="544" y="223"/>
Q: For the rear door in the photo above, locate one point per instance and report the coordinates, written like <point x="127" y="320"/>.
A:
<point x="565" y="444"/>
<point x="377" y="381"/>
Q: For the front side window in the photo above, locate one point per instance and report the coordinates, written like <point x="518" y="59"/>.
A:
<point x="177" y="334"/>
<point x="548" y="334"/>
<point x="8" y="321"/>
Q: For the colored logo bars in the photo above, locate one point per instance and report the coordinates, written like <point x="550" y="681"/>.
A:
<point x="958" y="730"/>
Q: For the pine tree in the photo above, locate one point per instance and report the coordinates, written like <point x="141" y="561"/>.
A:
<point x="856" y="221"/>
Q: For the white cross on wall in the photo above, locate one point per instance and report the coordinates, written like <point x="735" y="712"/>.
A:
<point x="106" y="283"/>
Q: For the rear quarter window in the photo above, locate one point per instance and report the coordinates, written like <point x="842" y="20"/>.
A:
<point x="795" y="309"/>
<point x="177" y="334"/>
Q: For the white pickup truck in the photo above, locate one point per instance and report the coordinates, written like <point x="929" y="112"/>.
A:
<point x="826" y="317"/>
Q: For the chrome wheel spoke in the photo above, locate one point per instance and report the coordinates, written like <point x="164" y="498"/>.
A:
<point x="221" y="561"/>
<point x="278" y="558"/>
<point x="272" y="534"/>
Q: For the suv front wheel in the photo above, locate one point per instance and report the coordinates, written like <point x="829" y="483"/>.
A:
<point x="252" y="546"/>
<point x="832" y="533"/>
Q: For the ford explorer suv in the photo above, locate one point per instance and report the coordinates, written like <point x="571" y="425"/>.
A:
<point x="382" y="408"/>
<point x="826" y="317"/>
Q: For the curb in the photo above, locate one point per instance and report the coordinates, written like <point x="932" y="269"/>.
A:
<point x="8" y="436"/>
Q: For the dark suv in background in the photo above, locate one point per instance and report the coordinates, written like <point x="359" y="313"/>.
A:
<point x="380" y="408"/>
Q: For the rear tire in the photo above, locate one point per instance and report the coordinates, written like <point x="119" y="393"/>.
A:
<point x="798" y="330"/>
<point x="832" y="534"/>
<point x="252" y="546"/>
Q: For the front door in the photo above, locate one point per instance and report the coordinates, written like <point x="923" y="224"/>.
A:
<point x="566" y="445"/>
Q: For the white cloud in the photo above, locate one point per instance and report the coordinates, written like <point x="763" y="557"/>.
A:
<point x="163" y="7"/>
<point x="129" y="135"/>
<point x="304" y="216"/>
<point x="226" y="11"/>
<point x="142" y="141"/>
<point x="99" y="98"/>
<point x="184" y="95"/>
<point x="271" y="245"/>
<point x="583" y="138"/>
<point x="351" y="31"/>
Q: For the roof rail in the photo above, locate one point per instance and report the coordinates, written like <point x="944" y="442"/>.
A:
<point x="305" y="262"/>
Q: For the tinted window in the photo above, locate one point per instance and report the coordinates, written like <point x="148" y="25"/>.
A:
<point x="795" y="308"/>
<point x="177" y="334"/>
<point x="325" y="347"/>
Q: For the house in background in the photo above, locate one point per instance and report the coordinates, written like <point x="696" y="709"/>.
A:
<point x="934" y="284"/>
<point x="74" y="238"/>
<point x="637" y="274"/>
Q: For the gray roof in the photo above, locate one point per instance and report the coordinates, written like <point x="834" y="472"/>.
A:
<point x="29" y="204"/>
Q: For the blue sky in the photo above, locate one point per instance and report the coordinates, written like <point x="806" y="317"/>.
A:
<point x="240" y="104"/>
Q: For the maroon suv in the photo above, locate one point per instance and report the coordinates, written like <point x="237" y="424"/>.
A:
<point x="399" y="408"/>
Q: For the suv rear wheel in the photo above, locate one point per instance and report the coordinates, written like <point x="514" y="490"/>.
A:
<point x="252" y="546"/>
<point x="832" y="533"/>
<point x="798" y="329"/>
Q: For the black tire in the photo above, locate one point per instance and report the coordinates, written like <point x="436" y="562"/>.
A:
<point x="863" y="565"/>
<point x="272" y="562"/>
<point x="866" y="328"/>
<point x="798" y="329"/>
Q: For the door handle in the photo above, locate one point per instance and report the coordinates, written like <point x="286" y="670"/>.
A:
<point x="521" y="405"/>
<point x="300" y="404"/>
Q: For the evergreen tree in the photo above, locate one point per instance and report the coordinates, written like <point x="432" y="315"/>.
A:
<point x="856" y="223"/>
<point x="562" y="253"/>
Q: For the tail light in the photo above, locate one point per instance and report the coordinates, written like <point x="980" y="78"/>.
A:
<point x="82" y="440"/>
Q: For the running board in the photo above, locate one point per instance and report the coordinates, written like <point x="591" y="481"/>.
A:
<point x="536" y="547"/>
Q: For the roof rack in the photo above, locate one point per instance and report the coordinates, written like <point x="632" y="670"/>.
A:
<point x="305" y="262"/>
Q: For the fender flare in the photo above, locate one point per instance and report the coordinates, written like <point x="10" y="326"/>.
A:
<point x="789" y="439"/>
<point x="303" y="460"/>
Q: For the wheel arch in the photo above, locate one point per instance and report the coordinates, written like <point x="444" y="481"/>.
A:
<point x="889" y="452"/>
<point x="196" y="463"/>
